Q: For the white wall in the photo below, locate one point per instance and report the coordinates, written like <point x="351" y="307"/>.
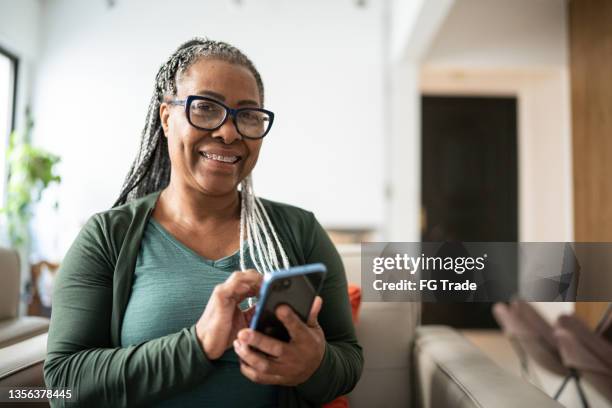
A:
<point x="502" y="34"/>
<point x="412" y="27"/>
<point x="322" y="66"/>
<point x="517" y="48"/>
<point x="19" y="23"/>
<point x="403" y="17"/>
<point x="19" y="34"/>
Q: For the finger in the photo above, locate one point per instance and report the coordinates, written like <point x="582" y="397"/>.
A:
<point x="253" y="358"/>
<point x="292" y="322"/>
<point x="239" y="286"/>
<point x="249" y="276"/>
<point x="233" y="292"/>
<point x="258" y="377"/>
<point x="314" y="312"/>
<point x="260" y="341"/>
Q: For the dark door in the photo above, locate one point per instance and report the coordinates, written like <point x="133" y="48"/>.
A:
<point x="469" y="183"/>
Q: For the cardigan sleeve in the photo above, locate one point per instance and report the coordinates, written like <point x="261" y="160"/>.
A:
<point x="80" y="355"/>
<point x="342" y="362"/>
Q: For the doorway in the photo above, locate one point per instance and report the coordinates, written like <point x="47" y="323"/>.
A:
<point x="469" y="184"/>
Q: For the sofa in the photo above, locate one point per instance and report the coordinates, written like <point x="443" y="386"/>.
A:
<point x="23" y="339"/>
<point x="405" y="365"/>
<point x="452" y="372"/>
<point x="14" y="328"/>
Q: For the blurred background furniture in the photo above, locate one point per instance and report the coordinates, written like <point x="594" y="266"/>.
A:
<point x="427" y="366"/>
<point x="569" y="349"/>
<point x="41" y="288"/>
<point x="530" y="335"/>
<point x="452" y="372"/>
<point x="588" y="353"/>
<point x="385" y="331"/>
<point x="21" y="364"/>
<point x="23" y="339"/>
<point x="14" y="328"/>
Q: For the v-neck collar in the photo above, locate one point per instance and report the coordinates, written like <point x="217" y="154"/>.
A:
<point x="224" y="262"/>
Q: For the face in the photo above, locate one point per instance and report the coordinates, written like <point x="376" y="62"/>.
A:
<point x="192" y="150"/>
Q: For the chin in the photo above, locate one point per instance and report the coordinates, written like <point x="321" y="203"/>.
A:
<point x="217" y="189"/>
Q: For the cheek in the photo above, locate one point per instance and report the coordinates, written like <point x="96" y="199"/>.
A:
<point x="180" y="137"/>
<point x="175" y="145"/>
<point x="254" y="148"/>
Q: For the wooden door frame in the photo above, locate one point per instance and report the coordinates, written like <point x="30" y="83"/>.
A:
<point x="590" y="39"/>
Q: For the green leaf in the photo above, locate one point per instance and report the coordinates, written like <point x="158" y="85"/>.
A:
<point x="30" y="171"/>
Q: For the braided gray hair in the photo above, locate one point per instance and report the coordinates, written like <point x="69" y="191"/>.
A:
<point x="150" y="171"/>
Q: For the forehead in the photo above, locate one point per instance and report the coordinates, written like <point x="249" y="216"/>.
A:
<point x="233" y="81"/>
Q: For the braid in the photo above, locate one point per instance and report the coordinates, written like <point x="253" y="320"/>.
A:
<point x="150" y="171"/>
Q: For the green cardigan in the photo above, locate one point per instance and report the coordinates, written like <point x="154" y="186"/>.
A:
<point x="92" y="292"/>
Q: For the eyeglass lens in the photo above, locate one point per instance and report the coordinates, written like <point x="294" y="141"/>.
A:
<point x="209" y="115"/>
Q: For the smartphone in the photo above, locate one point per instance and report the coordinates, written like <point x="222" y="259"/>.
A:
<point x="296" y="287"/>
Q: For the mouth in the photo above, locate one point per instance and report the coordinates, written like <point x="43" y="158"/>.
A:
<point x="220" y="158"/>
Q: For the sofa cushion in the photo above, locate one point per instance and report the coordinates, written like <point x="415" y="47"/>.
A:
<point x="385" y="331"/>
<point x="451" y="371"/>
<point x="20" y="356"/>
<point x="10" y="278"/>
<point x="18" y="329"/>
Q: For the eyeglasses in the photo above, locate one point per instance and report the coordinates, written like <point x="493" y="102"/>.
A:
<point x="209" y="114"/>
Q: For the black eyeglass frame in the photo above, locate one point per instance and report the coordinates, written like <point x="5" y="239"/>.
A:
<point x="229" y="112"/>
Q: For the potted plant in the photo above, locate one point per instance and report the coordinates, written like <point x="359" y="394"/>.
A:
<point x="30" y="171"/>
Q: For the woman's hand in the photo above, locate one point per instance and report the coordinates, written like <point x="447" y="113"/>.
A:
<point x="286" y="363"/>
<point x="222" y="317"/>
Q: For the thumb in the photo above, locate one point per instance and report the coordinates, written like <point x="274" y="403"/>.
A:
<point x="314" y="312"/>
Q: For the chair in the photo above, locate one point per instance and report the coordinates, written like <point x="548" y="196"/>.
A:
<point x="587" y="352"/>
<point x="570" y="349"/>
<point x="530" y="335"/>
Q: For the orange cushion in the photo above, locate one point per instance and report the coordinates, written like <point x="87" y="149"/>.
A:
<point x="354" y="293"/>
<point x="355" y="299"/>
<point x="340" y="402"/>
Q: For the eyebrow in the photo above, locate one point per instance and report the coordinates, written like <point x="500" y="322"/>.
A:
<point x="221" y="98"/>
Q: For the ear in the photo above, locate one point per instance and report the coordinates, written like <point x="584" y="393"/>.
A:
<point x="164" y="115"/>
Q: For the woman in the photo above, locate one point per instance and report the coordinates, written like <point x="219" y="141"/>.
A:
<point x="149" y="306"/>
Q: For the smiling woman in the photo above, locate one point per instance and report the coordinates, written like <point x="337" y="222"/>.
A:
<point x="150" y="306"/>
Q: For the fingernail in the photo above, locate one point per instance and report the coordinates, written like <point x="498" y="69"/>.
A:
<point x="245" y="336"/>
<point x="284" y="312"/>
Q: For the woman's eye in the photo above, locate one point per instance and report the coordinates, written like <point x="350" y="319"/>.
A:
<point x="203" y="106"/>
<point x="251" y="116"/>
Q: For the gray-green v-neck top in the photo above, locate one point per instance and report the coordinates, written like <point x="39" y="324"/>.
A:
<point x="172" y="285"/>
<point x="94" y="287"/>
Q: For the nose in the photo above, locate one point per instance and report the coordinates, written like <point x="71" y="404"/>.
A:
<point x="227" y="132"/>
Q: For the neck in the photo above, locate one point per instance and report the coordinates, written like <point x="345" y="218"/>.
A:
<point x="188" y="206"/>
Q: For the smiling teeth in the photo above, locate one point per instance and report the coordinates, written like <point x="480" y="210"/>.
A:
<point x="218" y="157"/>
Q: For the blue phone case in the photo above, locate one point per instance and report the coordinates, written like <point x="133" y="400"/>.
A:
<point x="279" y="276"/>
